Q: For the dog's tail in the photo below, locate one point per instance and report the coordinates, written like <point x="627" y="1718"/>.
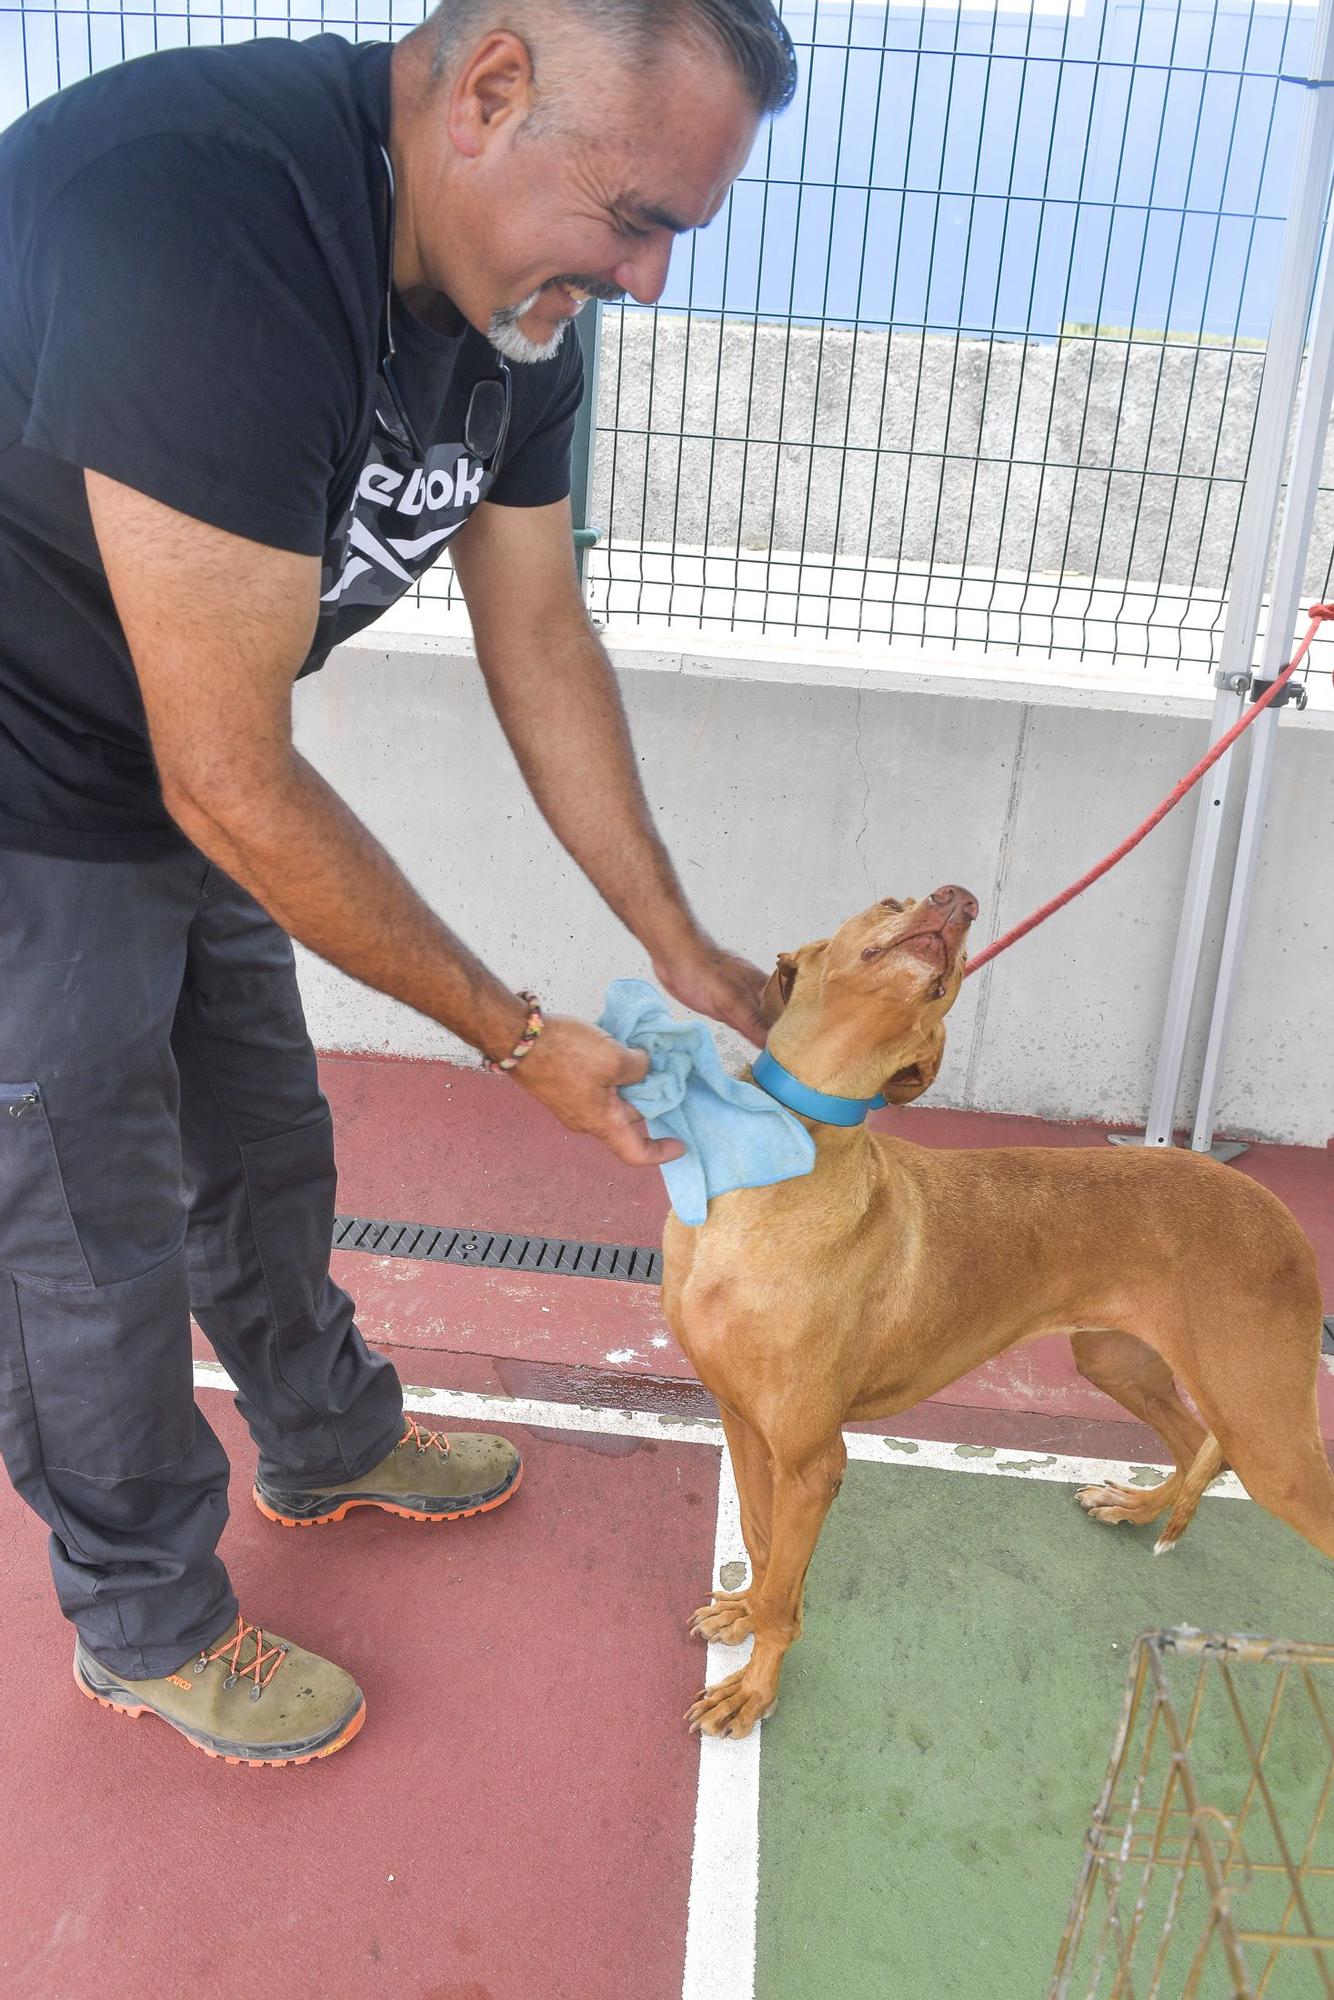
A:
<point x="1206" y="1466"/>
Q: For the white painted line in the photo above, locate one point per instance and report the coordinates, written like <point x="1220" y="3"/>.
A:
<point x="935" y="1455"/>
<point x="725" y="1861"/>
<point x="469" y="1407"/>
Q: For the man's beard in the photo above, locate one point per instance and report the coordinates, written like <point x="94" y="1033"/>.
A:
<point x="504" y="333"/>
<point x="505" y="336"/>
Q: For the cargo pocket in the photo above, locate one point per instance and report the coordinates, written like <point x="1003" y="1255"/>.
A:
<point x="38" y="1239"/>
<point x="110" y="1372"/>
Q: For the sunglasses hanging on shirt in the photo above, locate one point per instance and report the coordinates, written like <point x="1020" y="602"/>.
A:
<point x="487" y="421"/>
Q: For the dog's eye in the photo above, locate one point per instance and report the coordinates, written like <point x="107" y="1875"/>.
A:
<point x="874" y="951"/>
<point x="938" y="990"/>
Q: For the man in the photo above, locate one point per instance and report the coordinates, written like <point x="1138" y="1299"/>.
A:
<point x="277" y="324"/>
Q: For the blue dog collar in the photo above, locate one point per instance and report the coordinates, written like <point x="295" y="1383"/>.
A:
<point x="781" y="1084"/>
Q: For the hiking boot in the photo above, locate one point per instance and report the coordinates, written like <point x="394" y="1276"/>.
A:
<point x="250" y="1698"/>
<point x="428" y="1476"/>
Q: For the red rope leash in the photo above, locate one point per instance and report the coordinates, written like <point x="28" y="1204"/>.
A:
<point x="1318" y="613"/>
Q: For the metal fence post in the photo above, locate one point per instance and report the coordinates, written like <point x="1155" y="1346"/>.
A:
<point x="588" y="327"/>
<point x="1228" y="701"/>
<point x="1302" y="242"/>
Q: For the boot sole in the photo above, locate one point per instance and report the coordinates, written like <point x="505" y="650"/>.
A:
<point x="135" y="1709"/>
<point x="385" y="1507"/>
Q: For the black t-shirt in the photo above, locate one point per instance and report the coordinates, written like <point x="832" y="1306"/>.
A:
<point x="193" y="254"/>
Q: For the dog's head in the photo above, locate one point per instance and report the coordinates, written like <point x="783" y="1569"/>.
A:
<point x="868" y="1005"/>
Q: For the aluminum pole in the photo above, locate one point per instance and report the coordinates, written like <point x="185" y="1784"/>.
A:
<point x="1263" y="736"/>
<point x="1228" y="704"/>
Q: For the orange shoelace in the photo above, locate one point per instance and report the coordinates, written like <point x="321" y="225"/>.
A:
<point x="423" y="1439"/>
<point x="270" y="1657"/>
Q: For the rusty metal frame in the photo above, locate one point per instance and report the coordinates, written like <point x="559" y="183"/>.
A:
<point x="1152" y="1815"/>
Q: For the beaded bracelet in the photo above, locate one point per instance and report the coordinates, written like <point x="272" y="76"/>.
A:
<point x="532" y="1029"/>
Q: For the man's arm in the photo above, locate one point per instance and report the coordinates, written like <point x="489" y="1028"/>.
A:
<point x="217" y="627"/>
<point x="555" y="693"/>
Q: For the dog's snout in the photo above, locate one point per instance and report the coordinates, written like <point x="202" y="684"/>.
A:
<point x="959" y="903"/>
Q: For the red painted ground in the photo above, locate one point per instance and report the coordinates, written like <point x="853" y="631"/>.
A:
<point x="412" y="1135"/>
<point x="522" y="1775"/>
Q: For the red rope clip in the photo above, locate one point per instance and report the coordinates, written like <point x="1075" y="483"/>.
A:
<point x="1317" y="614"/>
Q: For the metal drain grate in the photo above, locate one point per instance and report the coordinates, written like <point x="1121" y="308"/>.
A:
<point x="498" y="1250"/>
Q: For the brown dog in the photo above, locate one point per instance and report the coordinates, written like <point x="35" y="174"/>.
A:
<point x="914" y="1265"/>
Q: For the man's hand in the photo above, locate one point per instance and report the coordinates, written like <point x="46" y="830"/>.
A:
<point x="715" y="982"/>
<point x="576" y="1071"/>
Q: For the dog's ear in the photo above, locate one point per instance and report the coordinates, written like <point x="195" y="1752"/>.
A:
<point x="778" y="988"/>
<point x="905" y="1084"/>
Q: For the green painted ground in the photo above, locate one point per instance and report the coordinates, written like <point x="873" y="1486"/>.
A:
<point x="944" y="1726"/>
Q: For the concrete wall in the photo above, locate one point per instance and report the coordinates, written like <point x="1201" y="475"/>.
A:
<point x="791" y="795"/>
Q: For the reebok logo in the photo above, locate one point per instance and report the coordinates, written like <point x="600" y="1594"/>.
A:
<point x="440" y="487"/>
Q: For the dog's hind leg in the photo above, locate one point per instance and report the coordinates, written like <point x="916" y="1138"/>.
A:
<point x="1299" y="1489"/>
<point x="801" y="1498"/>
<point x="1128" y="1370"/>
<point x="1263" y="1411"/>
<point x="726" y="1617"/>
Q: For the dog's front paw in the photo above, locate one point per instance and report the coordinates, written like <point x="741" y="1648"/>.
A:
<point x="726" y="1618"/>
<point x="731" y="1708"/>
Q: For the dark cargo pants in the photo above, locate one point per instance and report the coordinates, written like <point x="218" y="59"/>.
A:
<point x="164" y="1147"/>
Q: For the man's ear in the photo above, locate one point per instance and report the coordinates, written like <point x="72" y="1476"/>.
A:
<point x="778" y="988"/>
<point x="905" y="1084"/>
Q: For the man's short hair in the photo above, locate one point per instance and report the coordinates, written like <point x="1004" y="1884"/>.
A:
<point x="749" y="33"/>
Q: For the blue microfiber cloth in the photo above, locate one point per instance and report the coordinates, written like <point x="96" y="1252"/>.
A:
<point x="735" y="1135"/>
